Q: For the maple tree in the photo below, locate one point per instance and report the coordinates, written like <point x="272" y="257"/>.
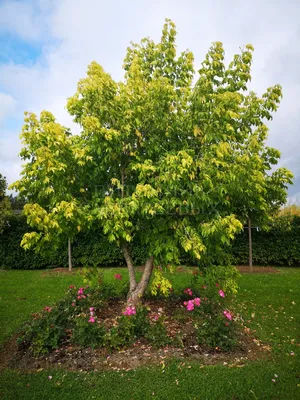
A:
<point x="170" y="157"/>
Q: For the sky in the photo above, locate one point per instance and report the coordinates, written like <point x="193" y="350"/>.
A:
<point x="46" y="45"/>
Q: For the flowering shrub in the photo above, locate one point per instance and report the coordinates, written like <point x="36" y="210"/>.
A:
<point x="77" y="318"/>
<point x="133" y="324"/>
<point x="214" y="322"/>
<point x="74" y="320"/>
<point x="94" y="278"/>
<point x="121" y="334"/>
<point x="157" y="333"/>
<point x="87" y="332"/>
<point x="188" y="291"/>
<point x="190" y="304"/>
<point x="129" y="311"/>
<point x="49" y="328"/>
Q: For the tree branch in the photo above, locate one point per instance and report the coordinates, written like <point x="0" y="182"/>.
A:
<point x="131" y="272"/>
<point x="146" y="274"/>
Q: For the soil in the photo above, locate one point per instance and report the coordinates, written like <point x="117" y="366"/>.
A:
<point x="140" y="353"/>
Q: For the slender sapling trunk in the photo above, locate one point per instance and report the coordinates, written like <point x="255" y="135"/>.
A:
<point x="70" y="255"/>
<point x="250" y="245"/>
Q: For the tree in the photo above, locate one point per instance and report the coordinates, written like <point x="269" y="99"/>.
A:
<point x="51" y="183"/>
<point x="171" y="162"/>
<point x="17" y="204"/>
<point x="5" y="208"/>
<point x="261" y="203"/>
<point x="290" y="210"/>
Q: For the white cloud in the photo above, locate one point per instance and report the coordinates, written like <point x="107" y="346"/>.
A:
<point x="19" y="18"/>
<point x="84" y="31"/>
<point x="10" y="165"/>
<point x="7" y="105"/>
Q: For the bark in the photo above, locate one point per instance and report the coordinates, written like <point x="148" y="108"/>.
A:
<point x="250" y="245"/>
<point x="137" y="290"/>
<point x="70" y="255"/>
<point x="130" y="266"/>
<point x="135" y="296"/>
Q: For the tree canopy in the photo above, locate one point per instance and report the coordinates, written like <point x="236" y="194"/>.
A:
<point x="169" y="156"/>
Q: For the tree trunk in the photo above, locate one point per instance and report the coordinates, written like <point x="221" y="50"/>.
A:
<point x="137" y="290"/>
<point x="130" y="266"/>
<point x="250" y="245"/>
<point x="70" y="255"/>
<point x="135" y="296"/>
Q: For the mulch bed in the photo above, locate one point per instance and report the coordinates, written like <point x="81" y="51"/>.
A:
<point x="140" y="353"/>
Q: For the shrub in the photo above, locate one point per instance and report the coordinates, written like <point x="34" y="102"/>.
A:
<point x="279" y="246"/>
<point x="208" y="300"/>
<point x="157" y="333"/>
<point x="88" y="334"/>
<point x="47" y="329"/>
<point x="94" y="278"/>
<point x="214" y="331"/>
<point x="122" y="334"/>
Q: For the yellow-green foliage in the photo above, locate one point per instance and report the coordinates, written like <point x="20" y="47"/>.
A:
<point x="173" y="158"/>
<point x="160" y="284"/>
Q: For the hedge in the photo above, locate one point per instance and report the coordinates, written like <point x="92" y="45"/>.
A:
<point x="278" y="246"/>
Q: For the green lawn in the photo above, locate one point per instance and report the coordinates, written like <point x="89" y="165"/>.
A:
<point x="269" y="304"/>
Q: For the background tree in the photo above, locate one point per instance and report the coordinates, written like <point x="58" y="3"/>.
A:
<point x="51" y="183"/>
<point x="289" y="210"/>
<point x="5" y="208"/>
<point x="17" y="204"/>
<point x="171" y="162"/>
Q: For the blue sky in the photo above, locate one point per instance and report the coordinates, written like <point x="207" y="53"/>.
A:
<point x="46" y="45"/>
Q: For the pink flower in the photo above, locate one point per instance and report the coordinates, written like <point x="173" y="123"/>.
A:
<point x="217" y="284"/>
<point x="221" y="293"/>
<point x="190" y="306"/>
<point x="92" y="319"/>
<point x="80" y="291"/>
<point x="78" y="297"/>
<point x="92" y="309"/>
<point x="72" y="286"/>
<point x="73" y="304"/>
<point x="49" y="309"/>
<point x="118" y="276"/>
<point x="155" y="317"/>
<point x="227" y="315"/>
<point x="129" y="311"/>
<point x="188" y="291"/>
<point x="197" y="301"/>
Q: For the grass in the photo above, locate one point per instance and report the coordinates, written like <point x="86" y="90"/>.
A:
<point x="269" y="304"/>
<point x="25" y="292"/>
